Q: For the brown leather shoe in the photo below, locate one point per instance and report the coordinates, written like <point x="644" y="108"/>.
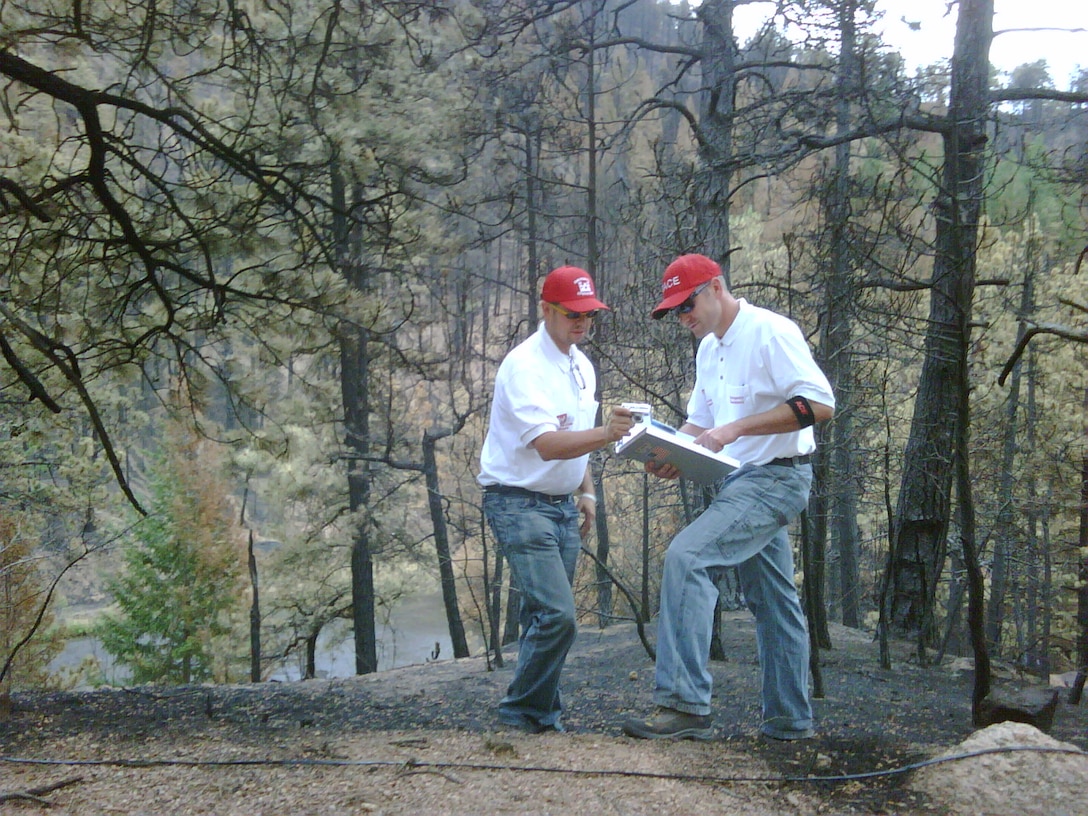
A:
<point x="668" y="723"/>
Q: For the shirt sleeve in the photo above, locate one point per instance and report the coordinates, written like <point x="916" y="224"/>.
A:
<point x="793" y="368"/>
<point x="529" y="413"/>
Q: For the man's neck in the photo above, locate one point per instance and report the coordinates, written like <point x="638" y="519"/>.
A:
<point x="559" y="344"/>
<point x="730" y="310"/>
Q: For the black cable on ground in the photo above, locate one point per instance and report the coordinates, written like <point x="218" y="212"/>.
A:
<point x="414" y="764"/>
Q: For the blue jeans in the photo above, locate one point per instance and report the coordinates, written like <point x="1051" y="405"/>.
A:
<point x="541" y="542"/>
<point x="744" y="527"/>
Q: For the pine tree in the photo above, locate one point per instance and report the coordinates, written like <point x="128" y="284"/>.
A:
<point x="182" y="572"/>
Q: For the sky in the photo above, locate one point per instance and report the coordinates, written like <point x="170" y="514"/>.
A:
<point x="933" y="40"/>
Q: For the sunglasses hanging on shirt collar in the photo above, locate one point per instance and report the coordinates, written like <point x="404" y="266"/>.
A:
<point x="576" y="374"/>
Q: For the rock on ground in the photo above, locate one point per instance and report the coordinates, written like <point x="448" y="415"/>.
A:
<point x="1010" y="778"/>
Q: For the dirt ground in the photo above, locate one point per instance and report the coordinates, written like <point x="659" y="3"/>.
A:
<point x="425" y="739"/>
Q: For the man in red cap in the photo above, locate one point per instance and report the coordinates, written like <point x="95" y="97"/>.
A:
<point x="535" y="456"/>
<point x="757" y="394"/>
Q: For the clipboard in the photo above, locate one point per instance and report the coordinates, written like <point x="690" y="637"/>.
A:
<point x="655" y="440"/>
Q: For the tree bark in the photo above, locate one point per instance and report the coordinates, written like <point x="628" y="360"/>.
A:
<point x="442" y="547"/>
<point x="355" y="399"/>
<point x="923" y="510"/>
<point x="716" y="121"/>
<point x="254" y="615"/>
<point x="353" y="380"/>
<point x="492" y="598"/>
<point x="1005" y="528"/>
<point x="604" y="539"/>
<point x="976" y="587"/>
<point x="1082" y="575"/>
<point x="837" y="477"/>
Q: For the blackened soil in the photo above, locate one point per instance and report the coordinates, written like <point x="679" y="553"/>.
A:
<point x="872" y="722"/>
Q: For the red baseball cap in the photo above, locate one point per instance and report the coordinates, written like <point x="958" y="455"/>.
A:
<point x="572" y="288"/>
<point x="681" y="278"/>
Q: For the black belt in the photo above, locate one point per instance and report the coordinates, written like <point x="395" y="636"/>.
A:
<point x="790" y="461"/>
<point x="507" y="490"/>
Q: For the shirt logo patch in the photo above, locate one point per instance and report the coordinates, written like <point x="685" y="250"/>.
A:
<point x="566" y="421"/>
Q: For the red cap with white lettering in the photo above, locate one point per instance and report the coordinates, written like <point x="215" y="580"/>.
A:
<point x="681" y="278"/>
<point x="572" y="288"/>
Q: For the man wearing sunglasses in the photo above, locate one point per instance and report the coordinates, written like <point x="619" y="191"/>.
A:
<point x="757" y="394"/>
<point x="534" y="461"/>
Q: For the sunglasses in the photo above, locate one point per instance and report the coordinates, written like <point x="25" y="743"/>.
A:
<point x="689" y="304"/>
<point x="575" y="315"/>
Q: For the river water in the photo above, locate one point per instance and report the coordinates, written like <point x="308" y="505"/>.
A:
<point x="417" y="632"/>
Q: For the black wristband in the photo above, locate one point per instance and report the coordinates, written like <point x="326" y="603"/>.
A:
<point x="802" y="409"/>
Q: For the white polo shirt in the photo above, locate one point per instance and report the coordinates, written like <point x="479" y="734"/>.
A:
<point x="538" y="389"/>
<point x="761" y="361"/>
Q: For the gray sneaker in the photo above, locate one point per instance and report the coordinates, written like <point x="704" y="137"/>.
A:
<point x="528" y="725"/>
<point x="668" y="723"/>
<point x="784" y="729"/>
<point x="787" y="736"/>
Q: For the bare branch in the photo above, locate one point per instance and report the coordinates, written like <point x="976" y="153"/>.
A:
<point x="1066" y="333"/>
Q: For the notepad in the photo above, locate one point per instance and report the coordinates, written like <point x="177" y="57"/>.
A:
<point x="664" y="444"/>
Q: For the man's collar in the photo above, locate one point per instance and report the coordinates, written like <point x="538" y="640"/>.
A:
<point x="551" y="350"/>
